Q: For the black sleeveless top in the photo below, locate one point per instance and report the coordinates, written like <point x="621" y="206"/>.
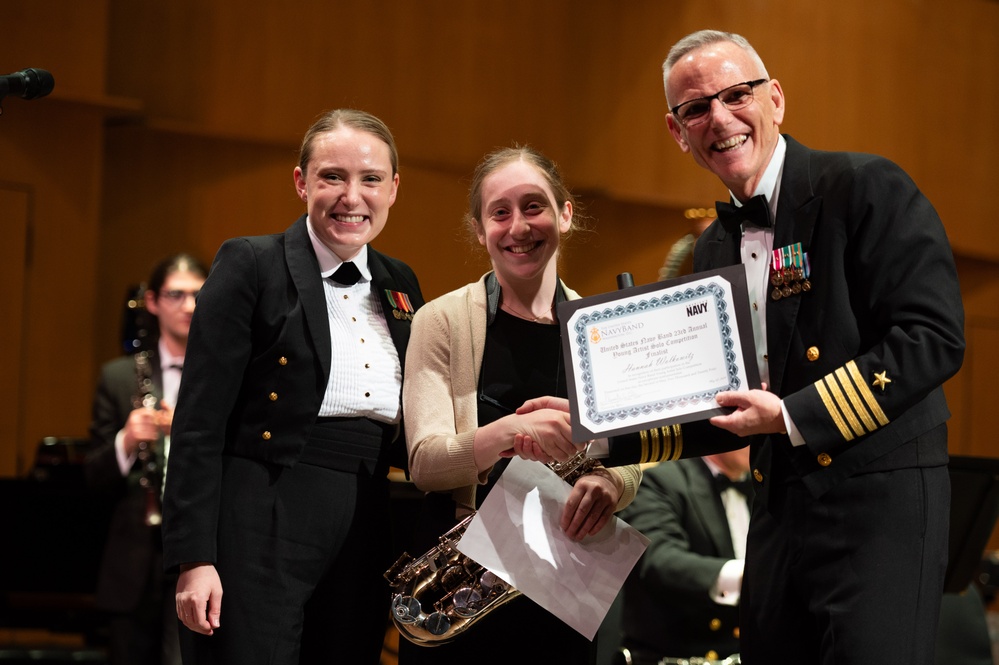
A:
<point x="521" y="360"/>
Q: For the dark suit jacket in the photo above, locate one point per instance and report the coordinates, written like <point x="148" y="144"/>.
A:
<point x="666" y="607"/>
<point x="131" y="553"/>
<point x="256" y="369"/>
<point x="884" y="298"/>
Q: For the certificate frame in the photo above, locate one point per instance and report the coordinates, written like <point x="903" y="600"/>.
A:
<point x="626" y="352"/>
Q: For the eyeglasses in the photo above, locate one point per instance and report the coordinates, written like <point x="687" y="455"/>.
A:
<point x="178" y="296"/>
<point x="733" y="98"/>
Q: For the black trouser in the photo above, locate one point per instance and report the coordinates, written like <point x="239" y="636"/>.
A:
<point x="301" y="555"/>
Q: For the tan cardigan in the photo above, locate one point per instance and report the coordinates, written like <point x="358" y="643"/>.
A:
<point x="440" y="396"/>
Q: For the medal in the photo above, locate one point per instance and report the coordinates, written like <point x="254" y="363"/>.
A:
<point x="789" y="272"/>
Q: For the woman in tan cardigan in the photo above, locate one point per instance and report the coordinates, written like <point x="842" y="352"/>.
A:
<point x="477" y="354"/>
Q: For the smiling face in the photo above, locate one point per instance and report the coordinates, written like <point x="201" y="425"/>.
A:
<point x="348" y="189"/>
<point x="734" y="145"/>
<point x="521" y="222"/>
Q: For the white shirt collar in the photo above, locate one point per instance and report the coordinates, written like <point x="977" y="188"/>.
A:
<point x="770" y="182"/>
<point x="167" y="359"/>
<point x="329" y="262"/>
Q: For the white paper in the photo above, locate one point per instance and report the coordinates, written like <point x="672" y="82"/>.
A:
<point x="516" y="535"/>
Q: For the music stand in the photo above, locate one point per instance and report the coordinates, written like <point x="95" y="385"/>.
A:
<point x="974" y="508"/>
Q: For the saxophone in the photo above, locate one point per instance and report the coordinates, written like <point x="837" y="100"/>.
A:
<point x="440" y="595"/>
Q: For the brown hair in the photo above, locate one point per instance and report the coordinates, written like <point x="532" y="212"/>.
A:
<point x="503" y="156"/>
<point x="182" y="262"/>
<point x="359" y="120"/>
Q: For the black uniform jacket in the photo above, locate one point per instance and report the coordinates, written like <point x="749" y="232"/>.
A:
<point x="860" y="358"/>
<point x="256" y="369"/>
<point x="667" y="607"/>
<point x="131" y="550"/>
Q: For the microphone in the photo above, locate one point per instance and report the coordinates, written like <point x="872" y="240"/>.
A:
<point x="28" y="83"/>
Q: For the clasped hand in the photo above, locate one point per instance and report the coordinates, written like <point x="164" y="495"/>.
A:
<point x="594" y="496"/>
<point x="542" y="435"/>
<point x="147" y="424"/>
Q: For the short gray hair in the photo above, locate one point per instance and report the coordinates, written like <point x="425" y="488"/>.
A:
<point x="696" y="40"/>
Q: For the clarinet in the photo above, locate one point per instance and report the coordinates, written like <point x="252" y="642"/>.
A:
<point x="150" y="479"/>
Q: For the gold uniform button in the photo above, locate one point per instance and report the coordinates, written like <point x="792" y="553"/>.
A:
<point x="715" y="624"/>
<point x="711" y="655"/>
<point x="735" y="632"/>
<point x="757" y="475"/>
<point x="282" y="361"/>
<point x="824" y="459"/>
<point x="813" y="353"/>
<point x="266" y="436"/>
<point x="273" y="397"/>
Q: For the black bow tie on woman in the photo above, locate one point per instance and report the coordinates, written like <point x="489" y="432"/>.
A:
<point x="347" y="274"/>
<point x="755" y="211"/>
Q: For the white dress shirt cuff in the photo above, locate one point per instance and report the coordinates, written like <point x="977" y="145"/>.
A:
<point x="728" y="587"/>
<point x="125" y="461"/>
<point x="790" y="428"/>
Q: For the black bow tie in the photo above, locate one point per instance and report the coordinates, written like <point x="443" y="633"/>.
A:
<point x="744" y="485"/>
<point x="755" y="211"/>
<point x="347" y="274"/>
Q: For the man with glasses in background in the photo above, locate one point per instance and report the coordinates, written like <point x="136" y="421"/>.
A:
<point x="858" y="320"/>
<point x="132" y="413"/>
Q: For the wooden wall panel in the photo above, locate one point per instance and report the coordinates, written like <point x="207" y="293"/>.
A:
<point x="66" y="37"/>
<point x="52" y="149"/>
<point x="581" y="80"/>
<point x="15" y="202"/>
<point x="207" y="103"/>
<point x="61" y="167"/>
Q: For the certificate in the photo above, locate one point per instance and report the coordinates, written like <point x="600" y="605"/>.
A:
<point x="657" y="355"/>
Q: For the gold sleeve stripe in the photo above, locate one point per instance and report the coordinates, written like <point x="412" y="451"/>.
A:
<point x="656" y="445"/>
<point x="865" y="392"/>
<point x="858" y="406"/>
<point x="662" y="444"/>
<point x="851" y="417"/>
<point x="677" y="442"/>
<point x="833" y="411"/>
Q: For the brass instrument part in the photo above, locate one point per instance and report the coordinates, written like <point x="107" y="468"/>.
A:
<point x="440" y="595"/>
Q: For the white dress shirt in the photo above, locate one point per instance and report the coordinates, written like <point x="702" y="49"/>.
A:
<point x="366" y="374"/>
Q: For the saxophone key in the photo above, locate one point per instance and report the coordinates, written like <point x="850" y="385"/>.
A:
<point x="437" y="623"/>
<point x="406" y="609"/>
<point x="467" y="602"/>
